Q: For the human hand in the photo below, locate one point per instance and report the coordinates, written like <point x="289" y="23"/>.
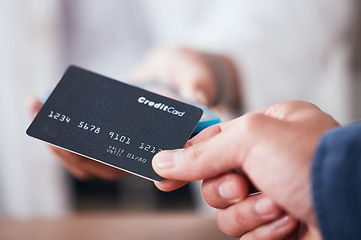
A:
<point x="195" y="75"/>
<point x="273" y="147"/>
<point x="81" y="167"/>
<point x="239" y="214"/>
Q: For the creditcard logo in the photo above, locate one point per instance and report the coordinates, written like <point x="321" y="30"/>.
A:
<point x="160" y="106"/>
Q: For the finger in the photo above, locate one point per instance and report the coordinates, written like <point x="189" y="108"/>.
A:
<point x="34" y="105"/>
<point x="205" y="135"/>
<point x="101" y="170"/>
<point x="222" y="191"/>
<point x="82" y="167"/>
<point x="294" y="234"/>
<point x="249" y="214"/>
<point x="203" y="160"/>
<point x="290" y="110"/>
<point x="69" y="159"/>
<point x="169" y="185"/>
<point x="215" y="156"/>
<point x="281" y="228"/>
<point x="85" y="168"/>
<point x="211" y="132"/>
<point x="302" y="112"/>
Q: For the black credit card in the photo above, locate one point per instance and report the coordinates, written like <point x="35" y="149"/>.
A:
<point x="112" y="122"/>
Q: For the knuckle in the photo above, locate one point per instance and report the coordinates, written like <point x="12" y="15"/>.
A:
<point x="241" y="220"/>
<point x="253" y="121"/>
<point x="233" y="230"/>
<point x="193" y="153"/>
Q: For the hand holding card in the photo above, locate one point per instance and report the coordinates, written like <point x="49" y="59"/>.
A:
<point x="112" y="122"/>
<point x="79" y="166"/>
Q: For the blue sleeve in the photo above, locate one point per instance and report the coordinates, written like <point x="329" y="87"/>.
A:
<point x="336" y="183"/>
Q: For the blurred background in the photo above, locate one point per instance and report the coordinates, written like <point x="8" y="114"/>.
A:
<point x="307" y="50"/>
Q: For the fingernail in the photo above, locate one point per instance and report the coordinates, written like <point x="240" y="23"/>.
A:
<point x="227" y="190"/>
<point x="282" y="222"/>
<point x="264" y="206"/>
<point x="165" y="159"/>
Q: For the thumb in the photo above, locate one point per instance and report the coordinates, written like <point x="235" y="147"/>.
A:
<point x="219" y="154"/>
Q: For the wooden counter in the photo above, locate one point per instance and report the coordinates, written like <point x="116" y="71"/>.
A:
<point x="104" y="226"/>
